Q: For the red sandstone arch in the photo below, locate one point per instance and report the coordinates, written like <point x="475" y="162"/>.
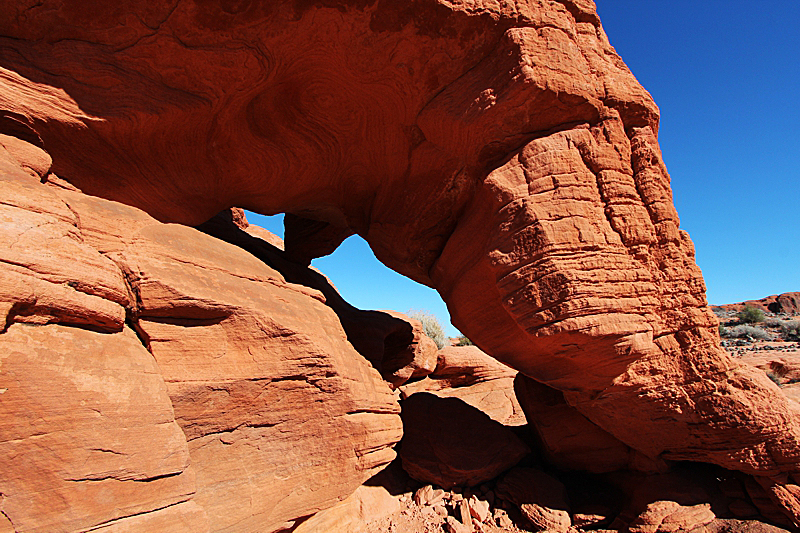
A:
<point x="499" y="152"/>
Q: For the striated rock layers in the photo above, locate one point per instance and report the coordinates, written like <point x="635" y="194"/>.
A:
<point x="500" y="152"/>
<point x="154" y="378"/>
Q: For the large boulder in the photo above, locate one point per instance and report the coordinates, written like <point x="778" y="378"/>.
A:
<point x="570" y="441"/>
<point x="541" y="498"/>
<point x="158" y="379"/>
<point x="465" y="372"/>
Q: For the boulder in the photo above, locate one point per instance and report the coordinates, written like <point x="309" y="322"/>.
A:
<point x="450" y="443"/>
<point x="566" y="438"/>
<point x="406" y="358"/>
<point x="132" y="349"/>
<point x="671" y="517"/>
<point x="467" y="373"/>
<point x="541" y="498"/>
<point x="88" y="437"/>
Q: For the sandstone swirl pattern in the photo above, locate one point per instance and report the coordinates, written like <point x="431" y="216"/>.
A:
<point x="498" y="151"/>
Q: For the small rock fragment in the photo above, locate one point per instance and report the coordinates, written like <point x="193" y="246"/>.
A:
<point x="479" y="509"/>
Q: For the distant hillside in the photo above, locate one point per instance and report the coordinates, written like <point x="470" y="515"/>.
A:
<point x="788" y="302"/>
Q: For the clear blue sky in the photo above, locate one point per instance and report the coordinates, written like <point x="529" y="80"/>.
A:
<point x="726" y="76"/>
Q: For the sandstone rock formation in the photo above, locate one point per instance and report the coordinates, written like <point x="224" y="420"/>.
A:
<point x="155" y="378"/>
<point x="465" y="372"/>
<point x="670" y="517"/>
<point x="788" y="303"/>
<point x="500" y="152"/>
<point x="450" y="443"/>
<point x="541" y="498"/>
<point x="565" y="437"/>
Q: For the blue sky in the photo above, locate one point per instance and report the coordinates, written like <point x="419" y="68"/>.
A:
<point x="726" y="76"/>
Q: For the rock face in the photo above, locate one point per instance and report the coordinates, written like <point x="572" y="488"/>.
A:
<point x="541" y="498"/>
<point x="500" y="152"/>
<point x="788" y="303"/>
<point x="465" y="372"/>
<point x="155" y="378"/>
<point x="565" y="437"/>
<point x="450" y="443"/>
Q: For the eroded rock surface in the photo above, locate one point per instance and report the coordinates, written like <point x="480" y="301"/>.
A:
<point x="500" y="152"/>
<point x="155" y="378"/>
<point x="465" y="372"/>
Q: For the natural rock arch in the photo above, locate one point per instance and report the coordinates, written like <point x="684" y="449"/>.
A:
<point x="500" y="152"/>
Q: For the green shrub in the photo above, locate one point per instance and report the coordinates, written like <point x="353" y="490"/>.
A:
<point x="431" y="326"/>
<point x="464" y="341"/>
<point x="750" y="315"/>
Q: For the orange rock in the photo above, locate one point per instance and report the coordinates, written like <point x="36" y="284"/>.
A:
<point x="248" y="377"/>
<point x="568" y="439"/>
<point x="499" y="152"/>
<point x="671" y="517"/>
<point x="788" y="302"/>
<point x="465" y="372"/>
<point x="88" y="436"/>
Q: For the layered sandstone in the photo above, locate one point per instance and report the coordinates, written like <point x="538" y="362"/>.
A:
<point x="500" y="152"/>
<point x="466" y="373"/>
<point x="155" y="378"/>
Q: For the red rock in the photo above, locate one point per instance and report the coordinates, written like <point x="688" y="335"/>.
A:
<point x="88" y="436"/>
<point x="465" y="372"/>
<point x="557" y="252"/>
<point x="567" y="438"/>
<point x="248" y="378"/>
<point x="541" y="498"/>
<point x="449" y="443"/>
<point x="670" y="517"/>
<point x="406" y="358"/>
<point x="479" y="509"/>
<point x="788" y="302"/>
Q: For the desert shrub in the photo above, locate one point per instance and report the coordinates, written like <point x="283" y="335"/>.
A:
<point x="750" y="315"/>
<point x="723" y="331"/>
<point x="431" y="326"/>
<point x="464" y="341"/>
<point x="773" y="322"/>
<point x="752" y="332"/>
<point x="790" y="329"/>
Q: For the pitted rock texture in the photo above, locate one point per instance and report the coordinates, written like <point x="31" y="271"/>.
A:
<point x="155" y="378"/>
<point x="500" y="152"/>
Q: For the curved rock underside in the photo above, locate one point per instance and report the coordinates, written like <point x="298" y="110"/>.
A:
<point x="498" y="151"/>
